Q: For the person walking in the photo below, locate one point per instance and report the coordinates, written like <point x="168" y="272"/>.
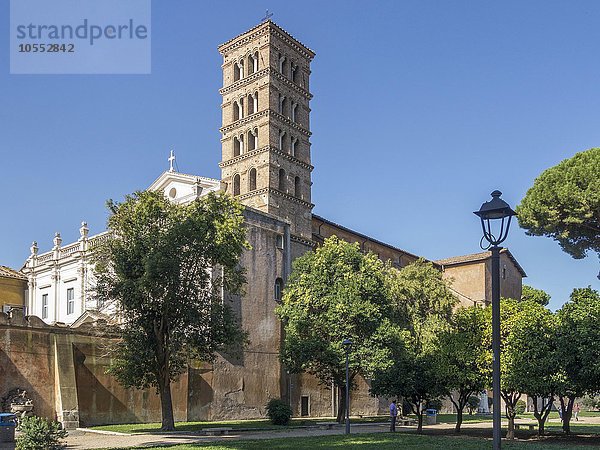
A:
<point x="393" y="415"/>
<point x="560" y="411"/>
<point x="576" y="410"/>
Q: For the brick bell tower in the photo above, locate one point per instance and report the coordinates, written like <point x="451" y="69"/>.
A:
<point x="266" y="160"/>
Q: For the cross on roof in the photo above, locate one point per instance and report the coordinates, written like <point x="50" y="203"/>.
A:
<point x="171" y="160"/>
<point x="268" y="15"/>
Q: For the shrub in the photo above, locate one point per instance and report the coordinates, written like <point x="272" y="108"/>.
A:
<point x="473" y="403"/>
<point x="279" y="412"/>
<point x="38" y="433"/>
<point x="520" y="407"/>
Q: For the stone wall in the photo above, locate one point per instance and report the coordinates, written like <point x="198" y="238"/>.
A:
<point x="63" y="371"/>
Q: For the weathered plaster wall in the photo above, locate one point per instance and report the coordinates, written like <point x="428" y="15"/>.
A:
<point x="469" y="280"/>
<point x="12" y="291"/>
<point x="63" y="371"/>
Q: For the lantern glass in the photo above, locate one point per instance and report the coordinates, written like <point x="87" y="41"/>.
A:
<point x="495" y="217"/>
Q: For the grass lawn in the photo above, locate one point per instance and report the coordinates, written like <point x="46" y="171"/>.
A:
<point x="235" y="424"/>
<point x="380" y="441"/>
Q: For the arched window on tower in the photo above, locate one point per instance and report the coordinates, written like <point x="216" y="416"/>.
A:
<point x="251" y="66"/>
<point x="255" y="101"/>
<point x="297" y="187"/>
<point x="282" y="180"/>
<point x="294" y="146"/>
<point x="253" y="139"/>
<point x="252" y="180"/>
<point x="236" y="111"/>
<point x="294" y="111"/>
<point x="294" y="71"/>
<point x="251" y="109"/>
<point x="282" y="64"/>
<point x="237" y="147"/>
<point x="282" y="104"/>
<point x="252" y="63"/>
<point x="238" y="70"/>
<point x="236" y="184"/>
<point x="278" y="291"/>
<point x="282" y="140"/>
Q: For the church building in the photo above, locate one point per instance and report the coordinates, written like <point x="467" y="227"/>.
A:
<point x="266" y="165"/>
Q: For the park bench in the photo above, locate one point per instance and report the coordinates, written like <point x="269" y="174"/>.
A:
<point x="531" y="426"/>
<point x="405" y="422"/>
<point x="326" y="425"/>
<point x="216" y="431"/>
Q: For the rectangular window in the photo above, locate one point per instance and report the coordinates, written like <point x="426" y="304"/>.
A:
<point x="70" y="301"/>
<point x="45" y="306"/>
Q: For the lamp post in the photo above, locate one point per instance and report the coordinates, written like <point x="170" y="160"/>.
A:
<point x="496" y="211"/>
<point x="347" y="344"/>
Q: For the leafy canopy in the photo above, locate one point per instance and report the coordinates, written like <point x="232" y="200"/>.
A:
<point x="535" y="295"/>
<point x="423" y="304"/>
<point x="531" y="349"/>
<point x="164" y="266"/>
<point x="465" y="361"/>
<point x="564" y="204"/>
<point x="578" y="343"/>
<point x="337" y="292"/>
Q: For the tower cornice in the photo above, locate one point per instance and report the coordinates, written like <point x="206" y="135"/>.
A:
<point x="267" y="148"/>
<point x="269" y="190"/>
<point x="268" y="27"/>
<point x="265" y="113"/>
<point x="269" y="71"/>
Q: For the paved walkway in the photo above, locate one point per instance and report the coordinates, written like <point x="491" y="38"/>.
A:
<point x="85" y="440"/>
<point x="80" y="440"/>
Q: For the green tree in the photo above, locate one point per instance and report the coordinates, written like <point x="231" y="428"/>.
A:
<point x="535" y="295"/>
<point x="334" y="293"/>
<point x="465" y="361"/>
<point x="424" y="304"/>
<point x="164" y="265"/>
<point x="578" y="346"/>
<point x="534" y="358"/>
<point x="564" y="204"/>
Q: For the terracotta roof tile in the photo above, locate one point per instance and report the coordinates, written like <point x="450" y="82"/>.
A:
<point x="11" y="273"/>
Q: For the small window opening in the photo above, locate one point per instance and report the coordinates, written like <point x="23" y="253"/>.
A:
<point x="236" y="185"/>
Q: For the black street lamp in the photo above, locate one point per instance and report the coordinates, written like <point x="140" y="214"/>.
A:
<point x="496" y="211"/>
<point x="347" y="344"/>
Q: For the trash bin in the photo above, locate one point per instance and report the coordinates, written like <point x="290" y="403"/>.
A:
<point x="431" y="415"/>
<point x="8" y="423"/>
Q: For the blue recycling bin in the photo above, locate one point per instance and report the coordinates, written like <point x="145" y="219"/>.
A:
<point x="431" y="416"/>
<point x="8" y="423"/>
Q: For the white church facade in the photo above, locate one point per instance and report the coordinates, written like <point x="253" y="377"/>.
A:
<point x="61" y="281"/>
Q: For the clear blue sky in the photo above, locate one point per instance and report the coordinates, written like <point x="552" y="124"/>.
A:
<point x="420" y="110"/>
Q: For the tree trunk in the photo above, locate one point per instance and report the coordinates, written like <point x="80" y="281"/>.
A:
<point x="567" y="413"/>
<point x="510" y="433"/>
<point x="460" y="405"/>
<point x="163" y="375"/>
<point x="341" y="411"/>
<point x="417" y="407"/>
<point x="166" y="404"/>
<point x="511" y="400"/>
<point x="459" y="419"/>
<point x="420" y="422"/>
<point x="542" y="415"/>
